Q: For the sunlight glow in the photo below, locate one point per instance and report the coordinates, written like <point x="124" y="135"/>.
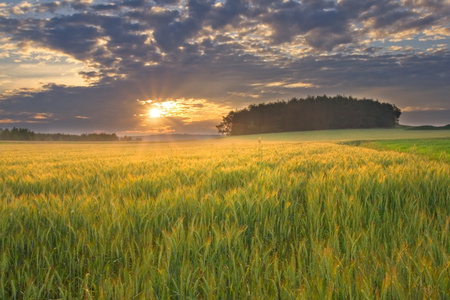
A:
<point x="189" y="110"/>
<point x="162" y="109"/>
<point x="170" y="114"/>
<point x="155" y="113"/>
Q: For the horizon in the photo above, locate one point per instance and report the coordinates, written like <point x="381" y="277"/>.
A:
<point x="399" y="126"/>
<point x="146" y="67"/>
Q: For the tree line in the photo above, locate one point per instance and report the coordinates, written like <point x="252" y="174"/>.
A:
<point x="312" y="113"/>
<point x="24" y="134"/>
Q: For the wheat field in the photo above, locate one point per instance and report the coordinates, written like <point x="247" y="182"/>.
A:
<point x="221" y="219"/>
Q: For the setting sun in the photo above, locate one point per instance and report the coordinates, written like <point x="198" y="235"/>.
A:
<point x="162" y="109"/>
<point x="165" y="115"/>
<point x="155" y="113"/>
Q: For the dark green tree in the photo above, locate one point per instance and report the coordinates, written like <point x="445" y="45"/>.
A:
<point x="312" y="113"/>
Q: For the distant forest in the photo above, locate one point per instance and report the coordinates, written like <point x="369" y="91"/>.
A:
<point x="23" y="134"/>
<point x="312" y="113"/>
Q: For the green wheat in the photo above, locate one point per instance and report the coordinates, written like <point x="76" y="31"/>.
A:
<point x="221" y="220"/>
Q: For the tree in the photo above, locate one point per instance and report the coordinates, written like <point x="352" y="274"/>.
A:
<point x="397" y="113"/>
<point x="226" y="125"/>
<point x="312" y="113"/>
<point x="23" y="134"/>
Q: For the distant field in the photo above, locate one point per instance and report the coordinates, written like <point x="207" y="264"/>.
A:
<point x="230" y="218"/>
<point x="347" y="135"/>
<point x="437" y="149"/>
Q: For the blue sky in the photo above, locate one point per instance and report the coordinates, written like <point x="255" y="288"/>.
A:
<point x="141" y="66"/>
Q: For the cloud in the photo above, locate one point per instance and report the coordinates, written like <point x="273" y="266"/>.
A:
<point x="173" y="35"/>
<point x="199" y="8"/>
<point x="422" y="108"/>
<point x="324" y="40"/>
<point x="301" y="85"/>
<point x="243" y="95"/>
<point x="226" y="13"/>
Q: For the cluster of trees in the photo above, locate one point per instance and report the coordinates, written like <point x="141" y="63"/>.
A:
<point x="128" y="138"/>
<point x="312" y="113"/>
<point x="23" y="134"/>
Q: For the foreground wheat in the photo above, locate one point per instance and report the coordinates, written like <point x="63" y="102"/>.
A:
<point x="221" y="220"/>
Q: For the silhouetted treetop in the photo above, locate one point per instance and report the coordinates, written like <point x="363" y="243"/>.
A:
<point x="312" y="113"/>
<point x="23" y="134"/>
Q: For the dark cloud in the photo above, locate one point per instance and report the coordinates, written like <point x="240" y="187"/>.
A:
<point x="8" y="26"/>
<point x="394" y="16"/>
<point x="199" y="8"/>
<point x="325" y="40"/>
<point x="78" y="4"/>
<point x="228" y="13"/>
<point x="163" y="2"/>
<point x="105" y="7"/>
<point x="173" y="35"/>
<point x="324" y="26"/>
<point x="78" y="40"/>
<point x="153" y="18"/>
<point x="74" y="35"/>
<point x="134" y="3"/>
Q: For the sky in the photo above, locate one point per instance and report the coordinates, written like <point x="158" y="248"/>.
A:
<point x="136" y="67"/>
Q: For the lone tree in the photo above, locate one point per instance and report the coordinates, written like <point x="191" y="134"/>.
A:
<point x="225" y="126"/>
<point x="312" y="113"/>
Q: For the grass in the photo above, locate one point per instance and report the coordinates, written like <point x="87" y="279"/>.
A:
<point x="342" y="135"/>
<point x="228" y="219"/>
<point x="436" y="149"/>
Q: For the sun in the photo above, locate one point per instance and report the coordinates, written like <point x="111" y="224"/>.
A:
<point x="162" y="109"/>
<point x="155" y="112"/>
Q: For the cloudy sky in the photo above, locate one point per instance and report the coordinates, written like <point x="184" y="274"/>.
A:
<point x="150" y="66"/>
